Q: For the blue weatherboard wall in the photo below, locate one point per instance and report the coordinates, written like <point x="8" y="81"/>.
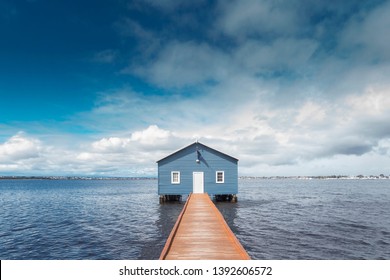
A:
<point x="184" y="161"/>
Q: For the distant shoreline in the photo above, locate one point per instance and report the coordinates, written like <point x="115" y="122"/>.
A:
<point x="330" y="177"/>
<point x="73" y="178"/>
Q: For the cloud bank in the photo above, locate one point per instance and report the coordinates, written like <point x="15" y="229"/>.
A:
<point x="288" y="87"/>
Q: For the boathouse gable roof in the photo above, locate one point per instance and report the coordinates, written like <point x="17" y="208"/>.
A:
<point x="192" y="148"/>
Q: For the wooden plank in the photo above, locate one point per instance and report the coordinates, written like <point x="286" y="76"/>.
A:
<point x="201" y="233"/>
<point x="174" y="230"/>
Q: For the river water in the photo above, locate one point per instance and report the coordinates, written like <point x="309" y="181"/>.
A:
<point x="122" y="219"/>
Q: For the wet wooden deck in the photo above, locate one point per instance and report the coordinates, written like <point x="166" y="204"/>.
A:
<point x="201" y="233"/>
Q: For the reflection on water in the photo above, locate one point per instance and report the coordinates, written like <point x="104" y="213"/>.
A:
<point x="167" y="215"/>
<point x="229" y="212"/>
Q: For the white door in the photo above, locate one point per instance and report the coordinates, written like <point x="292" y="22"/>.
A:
<point x="198" y="186"/>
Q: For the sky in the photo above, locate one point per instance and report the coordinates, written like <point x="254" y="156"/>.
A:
<point x="107" y="88"/>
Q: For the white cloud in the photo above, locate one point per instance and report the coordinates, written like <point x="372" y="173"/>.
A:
<point x="311" y="114"/>
<point x="374" y="102"/>
<point x="263" y="145"/>
<point x="19" y="147"/>
<point x="134" y="155"/>
<point x="364" y="35"/>
<point x="280" y="95"/>
<point x="258" y="133"/>
<point x="242" y="18"/>
<point x="276" y="56"/>
<point x="153" y="135"/>
<point x="111" y="144"/>
<point x="130" y="155"/>
<point x="184" y="64"/>
<point x="383" y="147"/>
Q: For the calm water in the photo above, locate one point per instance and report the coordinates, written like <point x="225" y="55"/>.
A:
<point x="274" y="219"/>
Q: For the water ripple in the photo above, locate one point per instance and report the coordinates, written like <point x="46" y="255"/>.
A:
<point x="274" y="219"/>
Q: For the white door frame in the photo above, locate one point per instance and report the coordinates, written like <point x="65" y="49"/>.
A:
<point x="197" y="182"/>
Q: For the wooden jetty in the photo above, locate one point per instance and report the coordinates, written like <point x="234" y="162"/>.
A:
<point x="201" y="233"/>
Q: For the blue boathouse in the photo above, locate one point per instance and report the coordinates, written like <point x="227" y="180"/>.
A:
<point x="198" y="168"/>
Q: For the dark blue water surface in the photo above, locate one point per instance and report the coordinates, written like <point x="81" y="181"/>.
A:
<point x="122" y="219"/>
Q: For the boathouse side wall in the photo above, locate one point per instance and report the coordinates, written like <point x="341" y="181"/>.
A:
<point x="197" y="158"/>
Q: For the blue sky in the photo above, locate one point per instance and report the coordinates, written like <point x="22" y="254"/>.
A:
<point x="107" y="88"/>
